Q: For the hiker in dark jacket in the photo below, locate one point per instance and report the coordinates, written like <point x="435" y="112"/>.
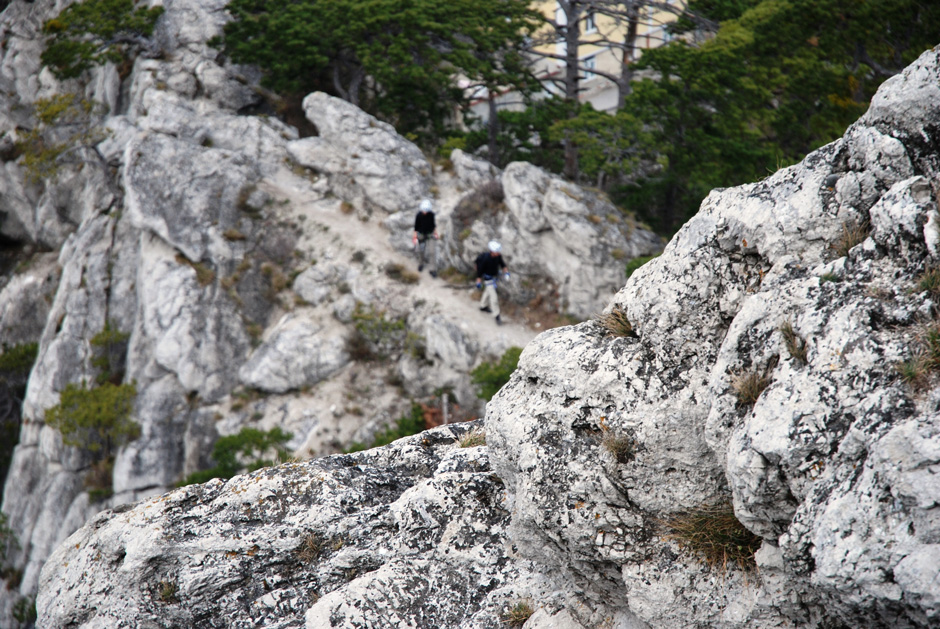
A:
<point x="425" y="232"/>
<point x="490" y="265"/>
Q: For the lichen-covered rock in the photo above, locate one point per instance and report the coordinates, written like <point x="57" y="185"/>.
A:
<point x="411" y="534"/>
<point x="825" y="460"/>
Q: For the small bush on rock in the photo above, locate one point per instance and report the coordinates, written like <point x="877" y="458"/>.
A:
<point x="714" y="534"/>
<point x="491" y="377"/>
<point x="243" y="452"/>
<point x="406" y="425"/>
<point x="97" y="420"/>
<point x="95" y="32"/>
<point x="110" y="349"/>
<point x="636" y="263"/>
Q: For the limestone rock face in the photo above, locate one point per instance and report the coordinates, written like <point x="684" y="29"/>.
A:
<point x="826" y="465"/>
<point x="366" y="159"/>
<point x="237" y="281"/>
<point x="295" y="356"/>
<point x="567" y="240"/>
<point x="423" y="546"/>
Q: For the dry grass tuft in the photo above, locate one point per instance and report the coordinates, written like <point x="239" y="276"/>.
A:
<point x="616" y="322"/>
<point x="167" y="592"/>
<point x="621" y="447"/>
<point x="795" y="344"/>
<point x="310" y="548"/>
<point x="473" y="438"/>
<point x="929" y="281"/>
<point x="399" y="273"/>
<point x="749" y="385"/>
<point x="518" y="614"/>
<point x="853" y="233"/>
<point x="714" y="534"/>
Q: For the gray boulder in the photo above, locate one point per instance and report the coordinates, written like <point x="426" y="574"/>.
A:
<point x="367" y="161"/>
<point x="570" y="242"/>
<point x="297" y="354"/>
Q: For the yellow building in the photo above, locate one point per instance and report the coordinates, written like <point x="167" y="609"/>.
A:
<point x="603" y="42"/>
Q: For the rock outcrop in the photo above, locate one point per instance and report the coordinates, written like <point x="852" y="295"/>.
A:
<point x="233" y="259"/>
<point x="829" y="460"/>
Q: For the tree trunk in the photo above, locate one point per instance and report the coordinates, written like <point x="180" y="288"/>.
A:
<point x="493" y="131"/>
<point x="572" y="11"/>
<point x="629" y="55"/>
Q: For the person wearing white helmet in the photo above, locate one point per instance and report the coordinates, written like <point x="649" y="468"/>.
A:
<point x="490" y="265"/>
<point x="425" y="230"/>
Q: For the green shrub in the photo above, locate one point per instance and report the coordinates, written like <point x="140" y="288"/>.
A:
<point x="407" y="425"/>
<point x="15" y="364"/>
<point x="95" y="32"/>
<point x="636" y="263"/>
<point x="243" y="452"/>
<point x="714" y="534"/>
<point x="97" y="420"/>
<point x="491" y="377"/>
<point x="110" y="349"/>
<point x="374" y="337"/>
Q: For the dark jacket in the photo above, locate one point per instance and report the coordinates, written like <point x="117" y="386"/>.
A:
<point x="489" y="265"/>
<point x="424" y="223"/>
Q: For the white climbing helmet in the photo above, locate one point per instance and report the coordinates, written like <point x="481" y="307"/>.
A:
<point x="494" y="246"/>
<point x="426" y="205"/>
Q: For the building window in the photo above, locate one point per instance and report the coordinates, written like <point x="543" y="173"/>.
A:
<point x="590" y="25"/>
<point x="589" y="63"/>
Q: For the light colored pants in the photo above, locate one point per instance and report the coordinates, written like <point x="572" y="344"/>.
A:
<point x="424" y="251"/>
<point x="489" y="298"/>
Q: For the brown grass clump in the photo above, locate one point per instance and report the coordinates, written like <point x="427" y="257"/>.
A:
<point x="204" y="275"/>
<point x="167" y="590"/>
<point x="518" y="613"/>
<point x="853" y="233"/>
<point x="616" y="322"/>
<point x="749" y="385"/>
<point x="346" y="207"/>
<point x="233" y="234"/>
<point x="795" y="344"/>
<point x="929" y="281"/>
<point x="714" y="534"/>
<point x="399" y="273"/>
<point x="621" y="447"/>
<point x="310" y="548"/>
<point x="473" y="438"/>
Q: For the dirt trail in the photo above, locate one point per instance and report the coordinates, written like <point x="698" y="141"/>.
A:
<point x="334" y="235"/>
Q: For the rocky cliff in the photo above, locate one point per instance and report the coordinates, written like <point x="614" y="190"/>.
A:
<point x="779" y="358"/>
<point x="232" y="261"/>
